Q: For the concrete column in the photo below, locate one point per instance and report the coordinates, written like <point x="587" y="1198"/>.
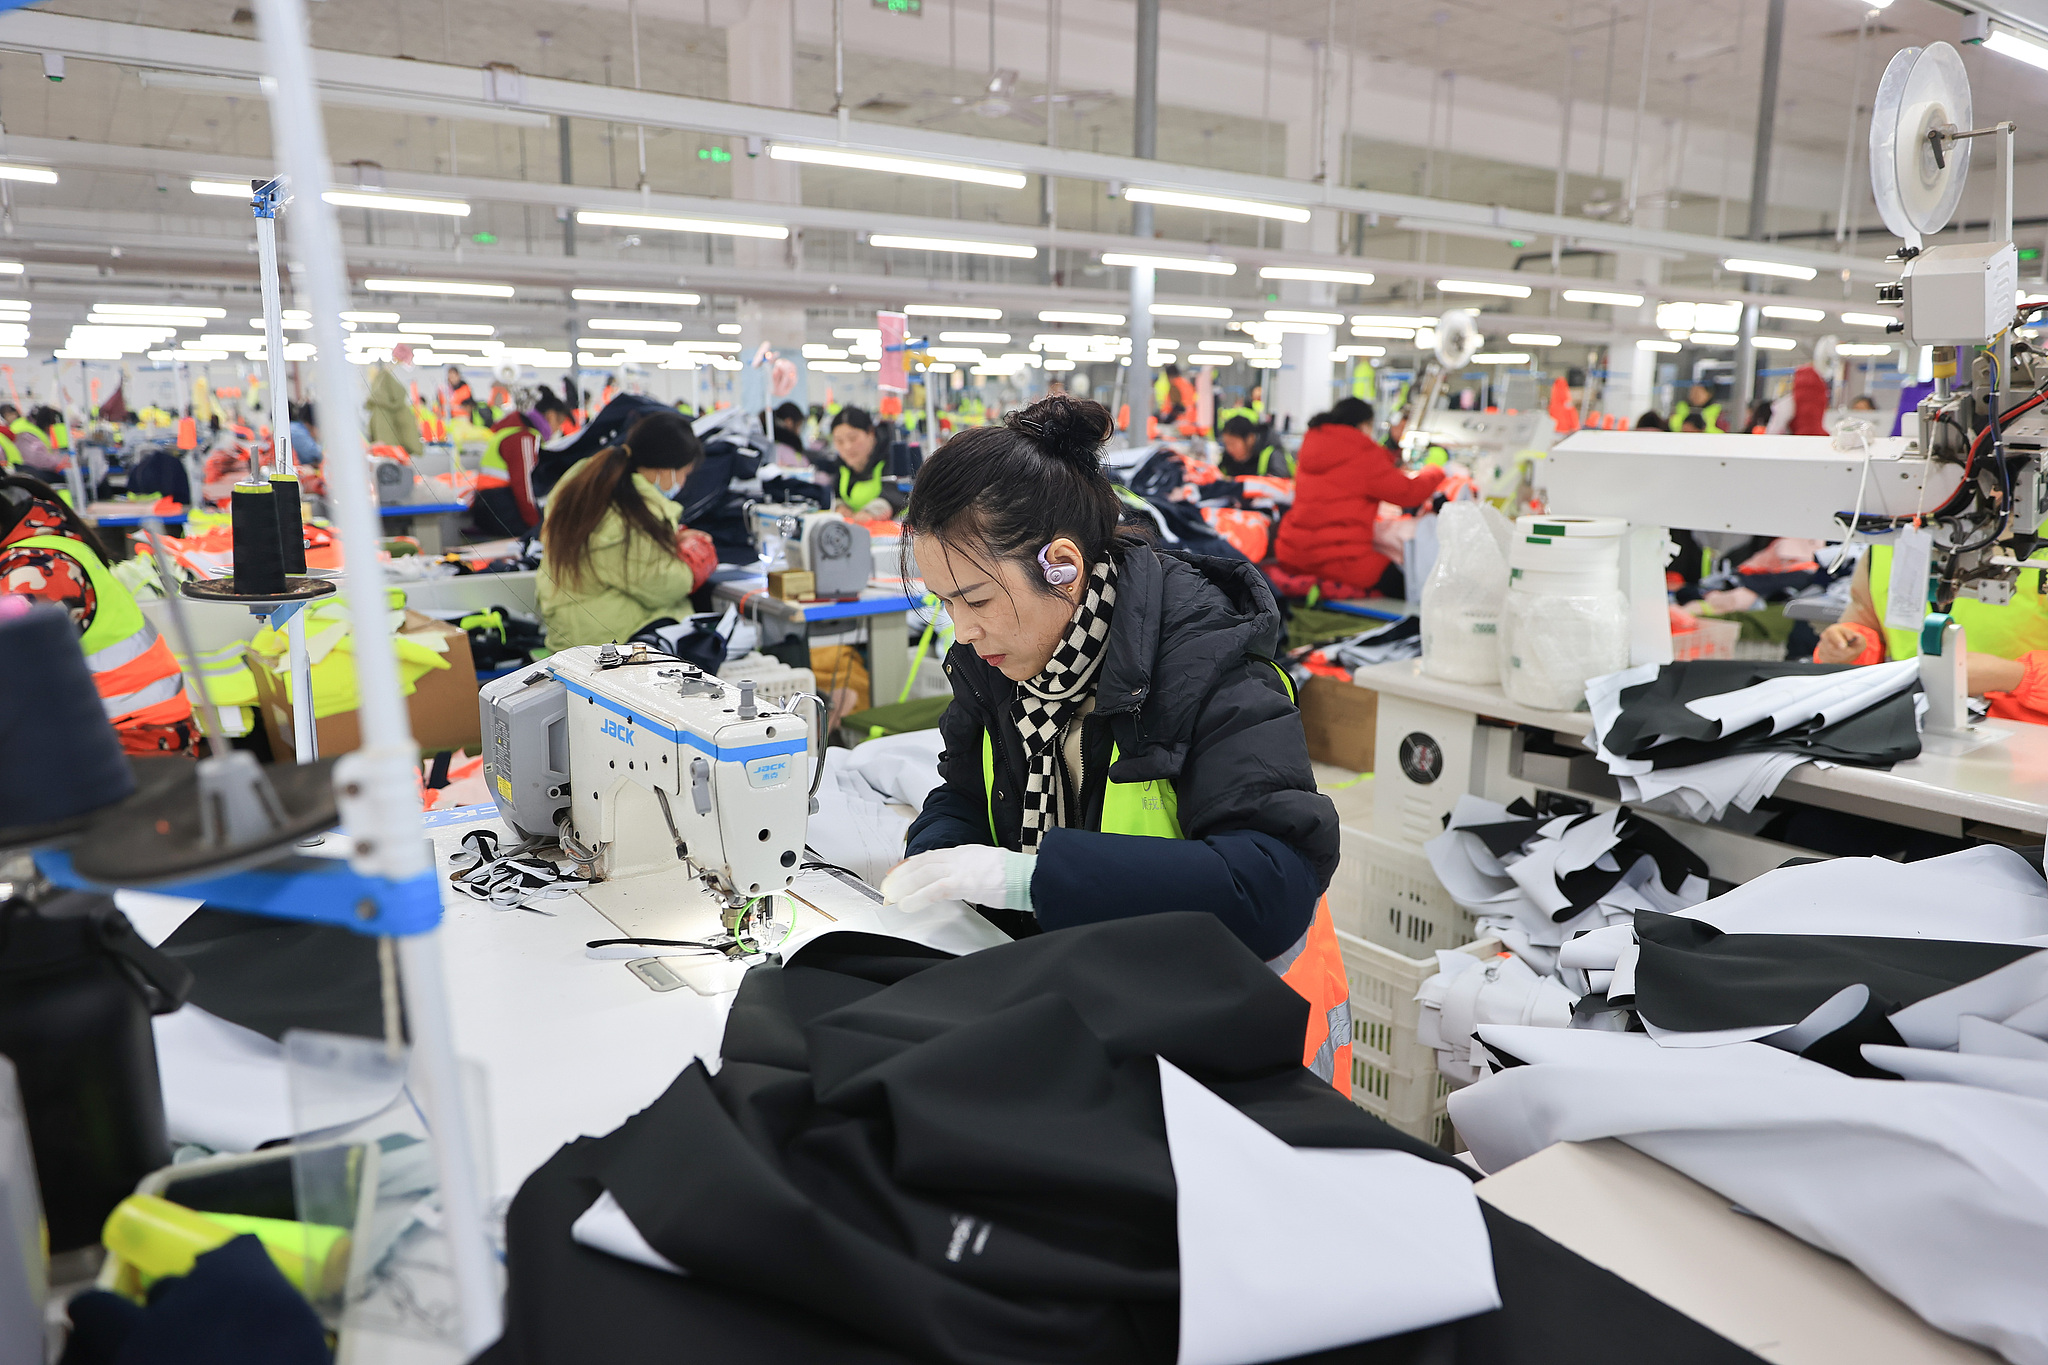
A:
<point x="760" y="66"/>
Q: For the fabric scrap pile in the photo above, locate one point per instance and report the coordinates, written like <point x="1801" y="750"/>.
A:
<point x="516" y="878"/>
<point x="1695" y="738"/>
<point x="1386" y="644"/>
<point x="1856" y="1051"/>
<point x="1535" y="884"/>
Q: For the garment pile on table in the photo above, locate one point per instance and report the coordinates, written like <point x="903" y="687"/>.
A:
<point x="1386" y="644"/>
<point x="1855" y="1050"/>
<point x="1534" y="884"/>
<point x="1695" y="738"/>
<point x="868" y="797"/>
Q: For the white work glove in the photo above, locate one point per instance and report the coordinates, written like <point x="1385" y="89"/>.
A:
<point x="989" y="876"/>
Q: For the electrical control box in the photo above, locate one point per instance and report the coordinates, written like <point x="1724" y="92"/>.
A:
<point x="1959" y="295"/>
<point x="526" y="748"/>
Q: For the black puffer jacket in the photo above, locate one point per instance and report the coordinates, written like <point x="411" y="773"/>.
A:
<point x="1186" y="694"/>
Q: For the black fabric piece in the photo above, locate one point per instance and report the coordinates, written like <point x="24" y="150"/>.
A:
<point x="1878" y="737"/>
<point x="1843" y="1049"/>
<point x="1185" y="693"/>
<point x="273" y="975"/>
<point x="235" y="1306"/>
<point x="1506" y="836"/>
<point x="1692" y="977"/>
<point x="1636" y="839"/>
<point x="100" y="1322"/>
<point x="710" y="505"/>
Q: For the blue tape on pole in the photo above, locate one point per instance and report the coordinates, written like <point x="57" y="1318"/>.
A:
<point x="311" y="890"/>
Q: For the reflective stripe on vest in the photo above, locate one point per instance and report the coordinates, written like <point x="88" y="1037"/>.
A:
<point x="2010" y="631"/>
<point x="132" y="665"/>
<point x="492" y="472"/>
<point x="859" y="495"/>
<point x="1314" y="966"/>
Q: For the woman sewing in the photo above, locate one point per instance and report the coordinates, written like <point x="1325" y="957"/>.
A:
<point x="1120" y="741"/>
<point x="617" y="558"/>
<point x="858" y="489"/>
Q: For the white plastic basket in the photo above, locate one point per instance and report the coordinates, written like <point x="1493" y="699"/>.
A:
<point x="774" y="680"/>
<point x="1393" y="1075"/>
<point x="1388" y="894"/>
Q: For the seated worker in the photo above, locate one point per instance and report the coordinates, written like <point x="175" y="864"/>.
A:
<point x="1341" y="477"/>
<point x="858" y="489"/>
<point x="40" y="442"/>
<point x="1120" y="741"/>
<point x="1652" y="420"/>
<point x="789" y="436"/>
<point x="2007" y="664"/>
<point x="1698" y="399"/>
<point x="505" y="504"/>
<point x="47" y="553"/>
<point x="1174" y="402"/>
<point x="616" y="558"/>
<point x="305" y="435"/>
<point x="1249" y="449"/>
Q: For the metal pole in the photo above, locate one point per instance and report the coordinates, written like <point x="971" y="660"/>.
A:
<point x="305" y="740"/>
<point x="380" y="787"/>
<point x="839" y="65"/>
<point x="1635" y="154"/>
<point x="1759" y="197"/>
<point x="2005" y="165"/>
<point x="1144" y="143"/>
<point x="265" y="204"/>
<point x="568" y="178"/>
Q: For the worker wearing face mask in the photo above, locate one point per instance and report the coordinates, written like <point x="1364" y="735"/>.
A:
<point x="616" y="556"/>
<point x="1120" y="741"/>
<point x="1249" y="449"/>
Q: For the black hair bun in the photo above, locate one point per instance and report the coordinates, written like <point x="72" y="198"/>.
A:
<point x="1064" y="427"/>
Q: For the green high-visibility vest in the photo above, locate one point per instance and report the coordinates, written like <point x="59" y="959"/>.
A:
<point x="10" y="453"/>
<point x="493" y="461"/>
<point x="2009" y="632"/>
<point x="115" y="615"/>
<point x="1710" y="415"/>
<point x="858" y="492"/>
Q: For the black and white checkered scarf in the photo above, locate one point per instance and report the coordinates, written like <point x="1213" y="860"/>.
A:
<point x="1046" y="704"/>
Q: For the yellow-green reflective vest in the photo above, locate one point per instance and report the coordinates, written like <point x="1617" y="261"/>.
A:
<point x="857" y="491"/>
<point x="1149" y="808"/>
<point x="1710" y="415"/>
<point x="2009" y="632"/>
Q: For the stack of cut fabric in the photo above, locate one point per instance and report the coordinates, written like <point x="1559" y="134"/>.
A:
<point x="1695" y="738"/>
<point x="1536" y="884"/>
<point x="1386" y="644"/>
<point x="1856" y="1051"/>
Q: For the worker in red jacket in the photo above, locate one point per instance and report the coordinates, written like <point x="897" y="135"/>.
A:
<point x="1341" y="476"/>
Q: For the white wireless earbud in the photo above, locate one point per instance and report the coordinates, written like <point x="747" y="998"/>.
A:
<point x="1059" y="575"/>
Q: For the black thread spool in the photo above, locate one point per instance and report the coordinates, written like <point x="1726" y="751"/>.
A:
<point x="59" y="758"/>
<point x="291" y="523"/>
<point x="259" y="555"/>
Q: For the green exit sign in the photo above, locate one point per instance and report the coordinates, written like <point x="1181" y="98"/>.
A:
<point x="484" y="238"/>
<point x="713" y="154"/>
<point x="2030" y="253"/>
<point x="901" y="6"/>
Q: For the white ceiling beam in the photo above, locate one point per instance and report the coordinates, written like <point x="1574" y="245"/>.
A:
<point x="142" y="46"/>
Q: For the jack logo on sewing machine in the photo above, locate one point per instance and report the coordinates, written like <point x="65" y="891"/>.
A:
<point x="617" y="731"/>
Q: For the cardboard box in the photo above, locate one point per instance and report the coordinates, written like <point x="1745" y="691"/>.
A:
<point x="1340" y="718"/>
<point x="443" y="705"/>
<point x="792" y="585"/>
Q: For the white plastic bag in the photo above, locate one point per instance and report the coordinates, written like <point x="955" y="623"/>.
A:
<point x="1463" y="596"/>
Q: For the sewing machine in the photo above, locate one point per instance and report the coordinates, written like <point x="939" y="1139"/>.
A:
<point x="838" y="553"/>
<point x="683" y="796"/>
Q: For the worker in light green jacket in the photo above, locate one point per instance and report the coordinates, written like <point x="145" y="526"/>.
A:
<point x="616" y="557"/>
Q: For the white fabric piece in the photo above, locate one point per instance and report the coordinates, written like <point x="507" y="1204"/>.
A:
<point x="855" y="826"/>
<point x="605" y="1227"/>
<point x="1986" y="1038"/>
<point x="1266" y="1274"/>
<point x="902" y="768"/>
<point x="1622" y="985"/>
<point x="1837" y="1011"/>
<point x="1600" y="949"/>
<point x="2032" y="1021"/>
<point x="1798" y="698"/>
<point x="1934" y="1191"/>
<point x="1936" y="1020"/>
<point x="1987" y="894"/>
<point x="1705" y="791"/>
<point x="1588" y="842"/>
<point x="1719" y="1037"/>
<point x="1502" y="989"/>
<point x="2008" y="1075"/>
<point x="224" y="1085"/>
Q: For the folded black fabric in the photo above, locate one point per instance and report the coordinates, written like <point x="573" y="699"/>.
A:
<point x="1885" y="734"/>
<point x="1692" y="977"/>
<point x="274" y="975"/>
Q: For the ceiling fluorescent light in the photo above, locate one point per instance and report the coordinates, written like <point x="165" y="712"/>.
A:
<point x="224" y="189"/>
<point x="1291" y="315"/>
<point x="1791" y="314"/>
<point x="369" y="317"/>
<point x="1743" y="266"/>
<point x="1612" y="300"/>
<point x="659" y="223"/>
<point x="175" y="310"/>
<point x="1389" y="320"/>
<point x="1189" y="310"/>
<point x="40" y="175"/>
<point x="1098" y="319"/>
<point x="1203" y="358"/>
<point x="397" y="203"/>
<point x="1534" y="339"/>
<point x="1714" y="338"/>
<point x="1302" y="272"/>
<point x="1667" y="347"/>
<point x="1502" y="291"/>
<point x="977" y="338"/>
<point x="634" y="296"/>
<point x="450" y="329"/>
<point x="898" y="242"/>
<point x="1773" y="343"/>
<point x="480" y="291"/>
<point x="949" y="310"/>
<point x="2007" y="44"/>
<point x="1200" y="267"/>
<point x="1501" y="358"/>
<point x="1216" y="203"/>
<point x="898" y="165"/>
<point x="11" y="267"/>
<point x="633" y="325"/>
<point x="1869" y="319"/>
<point x="1861" y="348"/>
<point x="1368" y="352"/>
<point x="1389" y="333"/>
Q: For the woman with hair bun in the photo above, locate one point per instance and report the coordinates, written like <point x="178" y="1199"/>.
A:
<point x="1120" y="740"/>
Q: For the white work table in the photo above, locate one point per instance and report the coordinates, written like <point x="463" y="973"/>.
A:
<point x="1997" y="776"/>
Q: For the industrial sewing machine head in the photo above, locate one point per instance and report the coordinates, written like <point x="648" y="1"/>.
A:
<point x="685" y="795"/>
